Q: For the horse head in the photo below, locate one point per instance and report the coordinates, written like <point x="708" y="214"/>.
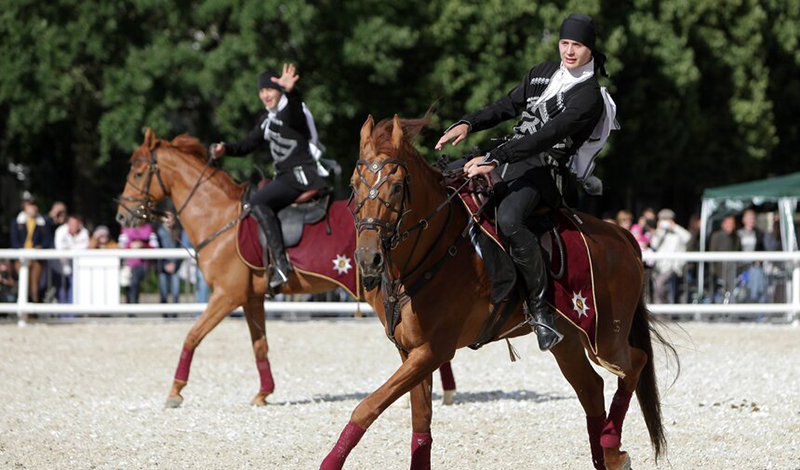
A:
<point x="144" y="186"/>
<point x="381" y="185"/>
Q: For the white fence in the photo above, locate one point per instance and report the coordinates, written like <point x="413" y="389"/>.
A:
<point x="108" y="261"/>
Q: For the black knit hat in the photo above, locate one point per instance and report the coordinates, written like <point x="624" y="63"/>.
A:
<point x="264" y="81"/>
<point x="580" y="27"/>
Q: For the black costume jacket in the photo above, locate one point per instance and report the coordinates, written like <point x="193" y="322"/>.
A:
<point x="288" y="136"/>
<point x="557" y="127"/>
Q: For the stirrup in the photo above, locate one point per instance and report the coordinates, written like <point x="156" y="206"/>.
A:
<point x="277" y="277"/>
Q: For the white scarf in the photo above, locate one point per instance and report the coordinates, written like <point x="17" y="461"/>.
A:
<point x="564" y="79"/>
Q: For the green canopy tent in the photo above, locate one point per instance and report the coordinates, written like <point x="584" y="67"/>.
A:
<point x="782" y="190"/>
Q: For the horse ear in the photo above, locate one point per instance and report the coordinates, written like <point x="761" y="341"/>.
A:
<point x="150" y="139"/>
<point x="397" y="132"/>
<point x="366" y="131"/>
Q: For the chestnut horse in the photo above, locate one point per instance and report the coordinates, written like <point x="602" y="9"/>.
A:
<point x="394" y="188"/>
<point x="207" y="200"/>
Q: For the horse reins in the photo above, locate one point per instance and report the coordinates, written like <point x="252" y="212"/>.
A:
<point x="391" y="236"/>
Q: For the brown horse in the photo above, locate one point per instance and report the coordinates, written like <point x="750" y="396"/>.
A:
<point x="393" y="189"/>
<point x="207" y="199"/>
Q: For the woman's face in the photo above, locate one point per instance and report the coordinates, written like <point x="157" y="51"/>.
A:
<point x="573" y="53"/>
<point x="270" y="97"/>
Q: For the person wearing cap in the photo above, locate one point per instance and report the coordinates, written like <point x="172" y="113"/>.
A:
<point x="560" y="104"/>
<point x="285" y="126"/>
<point x="669" y="237"/>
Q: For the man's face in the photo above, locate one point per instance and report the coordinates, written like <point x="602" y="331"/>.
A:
<point x="573" y="53"/>
<point x="749" y="219"/>
<point x="729" y="225"/>
<point x="74" y="225"/>
<point x="31" y="209"/>
<point x="270" y="97"/>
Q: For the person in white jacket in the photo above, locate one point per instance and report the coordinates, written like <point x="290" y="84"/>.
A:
<point x="669" y="237"/>
<point x="69" y="236"/>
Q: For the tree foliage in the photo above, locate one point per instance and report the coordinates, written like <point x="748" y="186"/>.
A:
<point x="706" y="89"/>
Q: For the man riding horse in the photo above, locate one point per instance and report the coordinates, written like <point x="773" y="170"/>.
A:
<point x="289" y="131"/>
<point x="561" y="105"/>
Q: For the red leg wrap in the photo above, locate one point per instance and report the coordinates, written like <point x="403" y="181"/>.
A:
<point x="448" y="381"/>
<point x="421" y="451"/>
<point x="184" y="365"/>
<point x="612" y="433"/>
<point x="347" y="440"/>
<point x="595" y="424"/>
<point x="264" y="371"/>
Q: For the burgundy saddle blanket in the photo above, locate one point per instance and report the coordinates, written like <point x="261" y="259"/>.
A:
<point x="319" y="253"/>
<point x="572" y="295"/>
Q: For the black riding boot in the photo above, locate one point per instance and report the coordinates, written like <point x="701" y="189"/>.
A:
<point x="281" y="267"/>
<point x="531" y="264"/>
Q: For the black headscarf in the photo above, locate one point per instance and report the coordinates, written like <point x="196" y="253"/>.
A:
<point x="265" y="81"/>
<point x="579" y="27"/>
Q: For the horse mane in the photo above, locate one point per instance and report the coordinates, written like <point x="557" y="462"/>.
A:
<point x="382" y="140"/>
<point x="189" y="145"/>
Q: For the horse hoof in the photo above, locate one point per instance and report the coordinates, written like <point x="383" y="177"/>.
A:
<point x="448" y="397"/>
<point x="260" y="399"/>
<point x="173" y="402"/>
<point x="626" y="465"/>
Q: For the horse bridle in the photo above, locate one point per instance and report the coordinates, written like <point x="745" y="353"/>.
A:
<point x="144" y="209"/>
<point x="388" y="233"/>
<point x="391" y="235"/>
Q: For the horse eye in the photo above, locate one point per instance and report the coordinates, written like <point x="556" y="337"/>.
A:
<point x="397" y="188"/>
<point x="138" y="175"/>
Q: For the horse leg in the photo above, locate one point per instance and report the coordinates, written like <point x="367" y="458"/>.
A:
<point x="421" y="414"/>
<point x="631" y="360"/>
<point x="254" y="312"/>
<point x="448" y="383"/>
<point x="578" y="371"/>
<point x="421" y="363"/>
<point x="219" y="306"/>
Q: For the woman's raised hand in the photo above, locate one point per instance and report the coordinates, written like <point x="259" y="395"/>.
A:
<point x="288" y="78"/>
<point x="458" y="133"/>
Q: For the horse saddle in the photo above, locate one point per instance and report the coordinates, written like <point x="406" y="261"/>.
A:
<point x="309" y="208"/>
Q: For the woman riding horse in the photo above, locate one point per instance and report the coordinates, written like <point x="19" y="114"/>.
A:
<point x="285" y="126"/>
<point x="560" y="106"/>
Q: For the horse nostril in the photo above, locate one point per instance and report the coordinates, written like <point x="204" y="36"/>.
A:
<point x="377" y="260"/>
<point x="120" y="219"/>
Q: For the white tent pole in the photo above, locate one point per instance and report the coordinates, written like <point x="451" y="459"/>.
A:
<point x="705" y="213"/>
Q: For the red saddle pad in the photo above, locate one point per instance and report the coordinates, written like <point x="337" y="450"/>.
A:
<point x="318" y="253"/>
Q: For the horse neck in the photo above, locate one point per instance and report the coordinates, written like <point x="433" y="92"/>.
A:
<point x="427" y="193"/>
<point x="208" y="208"/>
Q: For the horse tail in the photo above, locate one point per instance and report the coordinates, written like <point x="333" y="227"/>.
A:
<point x="642" y="328"/>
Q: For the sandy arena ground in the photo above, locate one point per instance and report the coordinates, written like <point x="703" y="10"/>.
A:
<point x="91" y="396"/>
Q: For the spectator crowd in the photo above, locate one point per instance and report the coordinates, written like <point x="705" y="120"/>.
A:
<point x="52" y="280"/>
<point x="670" y="281"/>
<point x="673" y="281"/>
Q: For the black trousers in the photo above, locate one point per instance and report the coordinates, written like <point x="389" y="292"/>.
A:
<point x="523" y="195"/>
<point x="275" y="195"/>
